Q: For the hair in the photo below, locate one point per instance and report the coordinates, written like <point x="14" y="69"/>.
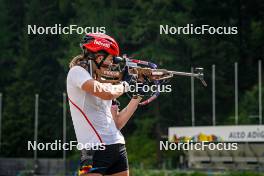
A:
<point x="76" y="60"/>
<point x="82" y="59"/>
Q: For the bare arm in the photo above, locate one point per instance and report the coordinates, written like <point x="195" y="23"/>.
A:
<point x="121" y="118"/>
<point x="100" y="90"/>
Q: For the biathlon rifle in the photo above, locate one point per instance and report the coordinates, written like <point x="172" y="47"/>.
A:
<point x="143" y="71"/>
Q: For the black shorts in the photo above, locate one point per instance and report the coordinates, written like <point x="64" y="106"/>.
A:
<point x="106" y="162"/>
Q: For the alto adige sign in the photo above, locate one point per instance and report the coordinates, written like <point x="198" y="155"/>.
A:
<point x="239" y="133"/>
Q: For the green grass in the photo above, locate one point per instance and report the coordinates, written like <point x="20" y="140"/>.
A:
<point x="141" y="172"/>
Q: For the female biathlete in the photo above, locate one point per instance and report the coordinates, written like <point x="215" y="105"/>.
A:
<point x="95" y="115"/>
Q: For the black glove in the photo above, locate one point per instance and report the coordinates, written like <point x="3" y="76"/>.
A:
<point x="130" y="79"/>
<point x="139" y="91"/>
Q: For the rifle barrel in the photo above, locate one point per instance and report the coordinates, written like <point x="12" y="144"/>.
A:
<point x="184" y="74"/>
<point x="196" y="75"/>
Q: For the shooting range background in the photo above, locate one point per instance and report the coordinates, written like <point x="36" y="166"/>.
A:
<point x="38" y="64"/>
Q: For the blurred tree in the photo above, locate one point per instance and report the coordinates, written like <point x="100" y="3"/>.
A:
<point x="141" y="146"/>
<point x="37" y="71"/>
<point x="249" y="107"/>
<point x="9" y="37"/>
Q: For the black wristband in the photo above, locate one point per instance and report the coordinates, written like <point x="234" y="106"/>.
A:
<point x="115" y="102"/>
